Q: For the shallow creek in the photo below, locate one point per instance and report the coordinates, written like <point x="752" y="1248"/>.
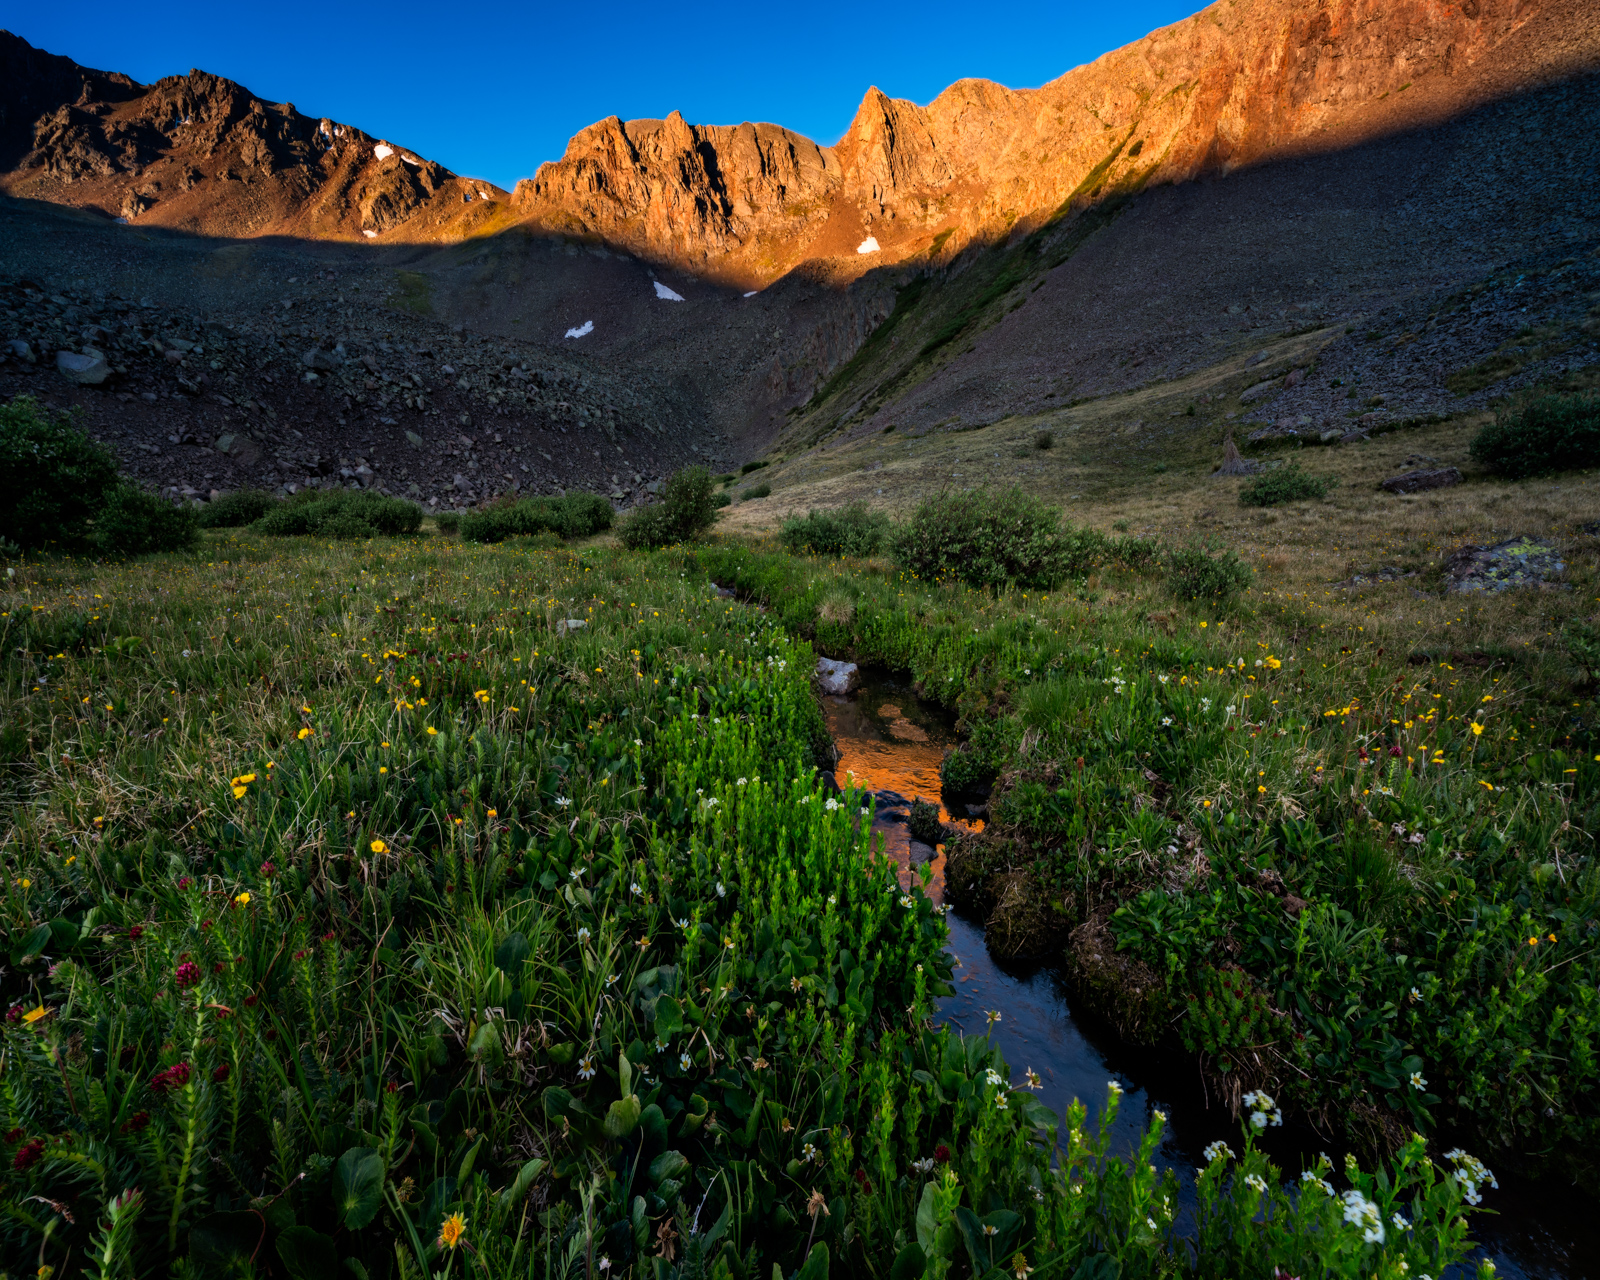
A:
<point x="891" y="743"/>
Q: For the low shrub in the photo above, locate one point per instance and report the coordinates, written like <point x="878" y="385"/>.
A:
<point x="721" y="500"/>
<point x="1551" y="433"/>
<point x="448" y="521"/>
<point x="994" y="540"/>
<point x="752" y="466"/>
<point x="1198" y="572"/>
<point x="341" y="515"/>
<point x="135" y="522"/>
<point x="1045" y="440"/>
<point x="924" y="823"/>
<point x="756" y="491"/>
<point x="1286" y="484"/>
<point x="854" y="531"/>
<point x="574" y="515"/>
<point x="231" y="510"/>
<point x="687" y="508"/>
<point x="59" y="477"/>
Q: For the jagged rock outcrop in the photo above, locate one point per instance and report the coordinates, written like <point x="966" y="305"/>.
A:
<point x="1238" y="83"/>
<point x="202" y="153"/>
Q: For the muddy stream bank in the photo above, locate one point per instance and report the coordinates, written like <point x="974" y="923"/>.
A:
<point x="891" y="743"/>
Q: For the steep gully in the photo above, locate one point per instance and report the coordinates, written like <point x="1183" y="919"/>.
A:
<point x="890" y="743"/>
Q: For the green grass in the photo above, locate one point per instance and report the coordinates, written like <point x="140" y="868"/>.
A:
<point x="353" y="896"/>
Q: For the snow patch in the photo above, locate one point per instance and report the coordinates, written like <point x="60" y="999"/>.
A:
<point x="484" y="195"/>
<point x="666" y="294"/>
<point x="383" y="151"/>
<point x="122" y="222"/>
<point x="752" y="293"/>
<point x="869" y="245"/>
<point x="411" y="160"/>
<point x="586" y="329"/>
<point x="370" y="235"/>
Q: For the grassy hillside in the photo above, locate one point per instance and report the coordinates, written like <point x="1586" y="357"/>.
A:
<point x="388" y="907"/>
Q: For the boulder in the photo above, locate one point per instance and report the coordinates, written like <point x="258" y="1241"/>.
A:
<point x="1294" y="378"/>
<point x="921" y="853"/>
<point x="316" y="358"/>
<point x="22" y="351"/>
<point x="85" y="371"/>
<point x="1259" y="392"/>
<point x="1519" y="562"/>
<point x="838" y="678"/>
<point x="414" y="439"/>
<point x="1416" y="481"/>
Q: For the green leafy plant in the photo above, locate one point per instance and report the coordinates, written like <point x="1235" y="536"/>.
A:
<point x="231" y="510"/>
<point x="340" y="514"/>
<point x="1284" y="484"/>
<point x="448" y="521"/>
<point x="1199" y="572"/>
<point x="135" y="522"/>
<point x="1549" y="433"/>
<point x="686" y="510"/>
<point x="855" y="530"/>
<point x="994" y="539"/>
<point x="574" y="515"/>
<point x="57" y="477"/>
<point x="756" y="491"/>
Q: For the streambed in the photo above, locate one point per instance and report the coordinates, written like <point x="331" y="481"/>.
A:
<point x="891" y="742"/>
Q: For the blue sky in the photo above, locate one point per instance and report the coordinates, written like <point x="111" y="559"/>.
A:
<point x="493" y="90"/>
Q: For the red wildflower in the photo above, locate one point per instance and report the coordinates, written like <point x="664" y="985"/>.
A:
<point x="135" y="932"/>
<point x="328" y="937"/>
<point x="187" y="974"/>
<point x="184" y="882"/>
<point x="135" y="1122"/>
<point x="218" y="967"/>
<point x="941" y="1153"/>
<point x="391" y="1087"/>
<point x="172" y="1078"/>
<point x="14" y="1013"/>
<point x="301" y="955"/>
<point x="205" y="926"/>
<point x="268" y="870"/>
<point x="222" y="1072"/>
<point x="28" y="1155"/>
<point x="250" y="1001"/>
<point x="13" y="1135"/>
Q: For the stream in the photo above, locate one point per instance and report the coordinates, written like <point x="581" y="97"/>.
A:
<point x="890" y="742"/>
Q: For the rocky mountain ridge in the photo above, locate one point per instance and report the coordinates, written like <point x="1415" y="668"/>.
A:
<point x="1240" y="83"/>
<point x="200" y="153"/>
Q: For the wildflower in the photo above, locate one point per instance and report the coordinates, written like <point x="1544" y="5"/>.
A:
<point x="583" y="934"/>
<point x="452" y="1230"/>
<point x="941" y="1153"/>
<point x="685" y="1062"/>
<point x="172" y="1078"/>
<point x="905" y="901"/>
<point x="135" y="932"/>
<point x="586" y="1070"/>
<point x="994" y="1077"/>
<point x="1477" y="729"/>
<point x="563" y="802"/>
<point x="1163" y="679"/>
<point x="989" y="1229"/>
<point x="809" y="1153"/>
<point x="303" y="734"/>
<point x="187" y="974"/>
<point x="683" y="924"/>
<point x="605" y="1263"/>
<point x="1216" y="1151"/>
<point x="1417" y="1082"/>
<point x="1114" y="1088"/>
<point x="223" y="1071"/>
<point x="728" y="943"/>
<point x="575" y="873"/>
<point x="1256" y="1181"/>
<point x="924" y="1165"/>
<point x="993" y="1015"/>
<point x="28" y="1154"/>
<point x="1166" y="722"/>
<point x="432" y="732"/>
<point x="1001" y="1103"/>
<point x="1363" y="1213"/>
<point x="1032" y="1076"/>
<point x="722" y="890"/>
<point x="634" y="888"/>
<point x="242" y="899"/>
<point x="378" y="846"/>
<point x="1400" y="1223"/>
<point x="1415" y="995"/>
<point x="831" y="805"/>
<point x="1020" y="1267"/>
<point x="33" y="1015"/>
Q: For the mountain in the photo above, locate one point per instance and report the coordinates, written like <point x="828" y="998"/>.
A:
<point x="1240" y="83"/>
<point x="200" y="153"/>
<point x="1262" y="183"/>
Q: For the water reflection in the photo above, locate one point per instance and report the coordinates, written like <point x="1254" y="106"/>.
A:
<point x="890" y="741"/>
